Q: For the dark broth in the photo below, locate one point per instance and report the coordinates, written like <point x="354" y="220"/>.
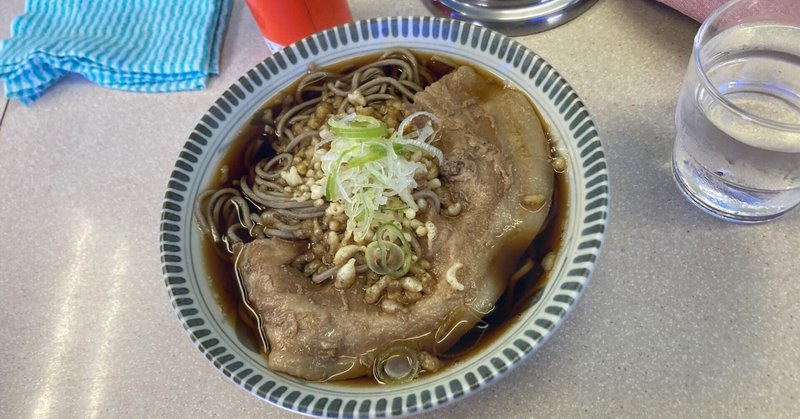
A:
<point x="507" y="310"/>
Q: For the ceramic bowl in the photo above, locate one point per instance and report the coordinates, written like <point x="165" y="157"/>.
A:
<point x="573" y="133"/>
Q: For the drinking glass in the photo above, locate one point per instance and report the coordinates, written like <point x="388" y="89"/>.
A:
<point x="737" y="150"/>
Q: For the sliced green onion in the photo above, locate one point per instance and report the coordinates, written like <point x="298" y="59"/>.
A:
<point x="398" y="148"/>
<point x="330" y="185"/>
<point x="384" y="256"/>
<point x="358" y="126"/>
<point x="432" y="150"/>
<point x="374" y="153"/>
<point x="398" y="364"/>
<point x="364" y="168"/>
<point x="392" y="231"/>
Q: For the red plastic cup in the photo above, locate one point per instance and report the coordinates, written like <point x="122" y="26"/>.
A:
<point x="283" y="22"/>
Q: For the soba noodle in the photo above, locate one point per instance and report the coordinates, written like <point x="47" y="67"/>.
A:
<point x="279" y="197"/>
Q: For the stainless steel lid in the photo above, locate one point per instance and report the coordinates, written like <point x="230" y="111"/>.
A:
<point x="511" y="17"/>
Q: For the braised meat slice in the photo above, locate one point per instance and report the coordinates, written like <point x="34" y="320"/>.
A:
<point x="496" y="164"/>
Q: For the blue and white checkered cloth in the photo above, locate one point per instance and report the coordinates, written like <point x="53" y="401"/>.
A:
<point x="136" y="45"/>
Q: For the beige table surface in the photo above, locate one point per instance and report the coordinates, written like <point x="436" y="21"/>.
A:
<point x="685" y="316"/>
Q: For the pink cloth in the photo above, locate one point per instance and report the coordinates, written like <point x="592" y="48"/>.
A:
<point x="780" y="10"/>
<point x="695" y="9"/>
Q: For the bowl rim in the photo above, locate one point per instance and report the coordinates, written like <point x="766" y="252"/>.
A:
<point x="588" y="186"/>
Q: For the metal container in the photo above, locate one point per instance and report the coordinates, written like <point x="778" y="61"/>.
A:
<point x="512" y="17"/>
